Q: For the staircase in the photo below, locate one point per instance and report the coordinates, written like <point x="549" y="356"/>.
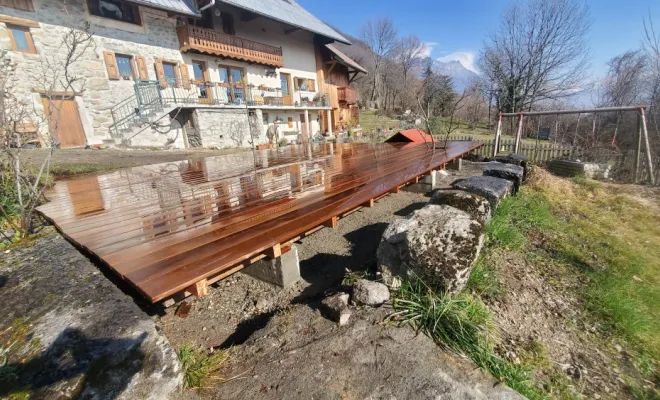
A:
<point x="136" y="113"/>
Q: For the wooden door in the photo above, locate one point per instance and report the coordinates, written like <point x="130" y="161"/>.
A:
<point x="303" y="126"/>
<point x="287" y="96"/>
<point x="201" y="77"/>
<point x="69" y="128"/>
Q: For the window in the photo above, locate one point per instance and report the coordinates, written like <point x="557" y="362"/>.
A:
<point x="170" y="71"/>
<point x="305" y="85"/>
<point x="232" y="78"/>
<point x="265" y="118"/>
<point x="21" y="39"/>
<point x="125" y="66"/>
<point x="115" y="9"/>
<point x="25" y="5"/>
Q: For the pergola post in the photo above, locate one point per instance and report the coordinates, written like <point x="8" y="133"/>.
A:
<point x="649" y="159"/>
<point x="498" y="135"/>
<point x="518" y="134"/>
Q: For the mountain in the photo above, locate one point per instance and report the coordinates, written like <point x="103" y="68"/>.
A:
<point x="461" y="76"/>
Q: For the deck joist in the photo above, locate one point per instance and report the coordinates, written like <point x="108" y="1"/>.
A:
<point x="174" y="227"/>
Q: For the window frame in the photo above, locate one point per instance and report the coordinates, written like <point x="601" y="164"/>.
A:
<point x="131" y="62"/>
<point x="175" y="69"/>
<point x="136" y="12"/>
<point x="231" y="84"/>
<point x="28" y="38"/>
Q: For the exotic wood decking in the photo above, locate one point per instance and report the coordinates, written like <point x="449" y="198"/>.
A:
<point x="172" y="227"/>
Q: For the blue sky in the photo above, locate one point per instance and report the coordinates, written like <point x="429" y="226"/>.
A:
<point x="457" y="29"/>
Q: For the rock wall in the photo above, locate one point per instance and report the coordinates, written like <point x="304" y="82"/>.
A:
<point x="227" y="127"/>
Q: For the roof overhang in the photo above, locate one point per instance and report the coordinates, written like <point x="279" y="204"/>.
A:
<point x="180" y="7"/>
<point x="344" y="59"/>
<point x="303" y="20"/>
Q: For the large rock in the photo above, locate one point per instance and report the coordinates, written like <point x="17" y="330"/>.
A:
<point x="370" y="293"/>
<point x="477" y="206"/>
<point x="515" y="159"/>
<point x="510" y="172"/>
<point x="83" y="337"/>
<point x="493" y="189"/>
<point x="439" y="244"/>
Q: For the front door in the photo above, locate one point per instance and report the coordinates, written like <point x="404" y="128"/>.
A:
<point x="285" y="80"/>
<point x="201" y="77"/>
<point x="68" y="128"/>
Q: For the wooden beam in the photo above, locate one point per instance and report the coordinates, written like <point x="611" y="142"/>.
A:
<point x="352" y="78"/>
<point x="332" y="66"/>
<point x="19" y="21"/>
<point x="369" y="203"/>
<point x="288" y="31"/>
<point x="200" y="288"/>
<point x="332" y="222"/>
<point x="274" y="251"/>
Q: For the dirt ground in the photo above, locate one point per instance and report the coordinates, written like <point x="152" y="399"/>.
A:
<point x="240" y="304"/>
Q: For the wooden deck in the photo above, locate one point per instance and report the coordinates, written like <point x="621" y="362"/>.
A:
<point x="178" y="226"/>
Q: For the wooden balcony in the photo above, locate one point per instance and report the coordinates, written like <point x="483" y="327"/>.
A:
<point x="219" y="44"/>
<point x="347" y="95"/>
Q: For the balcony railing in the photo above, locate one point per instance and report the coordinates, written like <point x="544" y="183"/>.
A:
<point x="347" y="95"/>
<point x="223" y="45"/>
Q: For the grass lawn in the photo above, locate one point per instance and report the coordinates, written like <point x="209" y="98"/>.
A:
<point x="595" y="244"/>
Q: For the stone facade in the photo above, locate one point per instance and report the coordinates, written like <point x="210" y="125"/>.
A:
<point x="216" y="125"/>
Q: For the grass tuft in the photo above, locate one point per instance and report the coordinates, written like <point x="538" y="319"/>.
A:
<point x="461" y="323"/>
<point x="201" y="368"/>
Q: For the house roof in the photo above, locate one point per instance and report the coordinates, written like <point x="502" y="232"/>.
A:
<point x="344" y="59"/>
<point x="288" y="12"/>
<point x="411" y="135"/>
<point x="183" y="7"/>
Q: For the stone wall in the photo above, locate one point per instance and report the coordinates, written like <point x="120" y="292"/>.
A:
<point x="226" y="127"/>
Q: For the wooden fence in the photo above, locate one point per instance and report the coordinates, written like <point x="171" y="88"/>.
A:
<point x="623" y="163"/>
<point x="538" y="153"/>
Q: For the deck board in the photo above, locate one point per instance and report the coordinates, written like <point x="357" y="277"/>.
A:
<point x="164" y="227"/>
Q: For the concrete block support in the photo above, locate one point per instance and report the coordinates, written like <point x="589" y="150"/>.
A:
<point x="282" y="271"/>
<point x="430" y="179"/>
<point x="455" y="165"/>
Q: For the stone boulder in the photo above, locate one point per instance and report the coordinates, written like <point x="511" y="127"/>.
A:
<point x="370" y="293"/>
<point x="336" y="308"/>
<point x="477" y="206"/>
<point x="510" y="172"/>
<point x="493" y="189"/>
<point x="438" y="244"/>
<point x="515" y="159"/>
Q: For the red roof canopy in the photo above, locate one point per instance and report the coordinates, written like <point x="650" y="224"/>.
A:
<point x="411" y="135"/>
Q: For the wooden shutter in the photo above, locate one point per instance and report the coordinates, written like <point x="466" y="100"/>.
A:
<point x="111" y="65"/>
<point x="290" y="121"/>
<point x="25" y="5"/>
<point x="311" y="85"/>
<point x="160" y="72"/>
<point x="185" y="76"/>
<point x="295" y="83"/>
<point x="142" y="67"/>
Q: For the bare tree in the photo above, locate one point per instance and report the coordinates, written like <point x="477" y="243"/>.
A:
<point x="56" y="81"/>
<point x="624" y="84"/>
<point x="538" y="53"/>
<point x="407" y="55"/>
<point x="380" y="35"/>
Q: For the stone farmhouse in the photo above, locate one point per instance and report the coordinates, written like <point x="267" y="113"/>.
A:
<point x="219" y="73"/>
